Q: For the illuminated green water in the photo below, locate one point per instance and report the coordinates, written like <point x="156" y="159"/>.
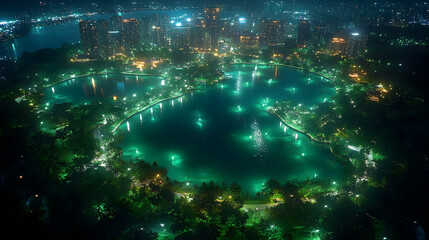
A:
<point x="223" y="133"/>
<point x="100" y="88"/>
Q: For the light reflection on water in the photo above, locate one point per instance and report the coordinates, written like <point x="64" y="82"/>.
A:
<point x="221" y="142"/>
<point x="214" y="134"/>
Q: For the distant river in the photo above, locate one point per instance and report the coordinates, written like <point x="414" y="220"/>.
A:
<point x="54" y="36"/>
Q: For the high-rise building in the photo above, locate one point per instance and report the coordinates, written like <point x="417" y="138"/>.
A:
<point x="159" y="37"/>
<point x="211" y="25"/>
<point x="249" y="42"/>
<point x="356" y="45"/>
<point x="145" y="30"/>
<point x="159" y="30"/>
<point x="270" y="32"/>
<point x="338" y="45"/>
<point x="89" y="36"/>
<point x="303" y="33"/>
<point x="319" y="36"/>
<point x="115" y="41"/>
<point x="131" y="34"/>
<point x="116" y="23"/>
<point x="104" y="46"/>
<point x="180" y="36"/>
<point x="197" y="34"/>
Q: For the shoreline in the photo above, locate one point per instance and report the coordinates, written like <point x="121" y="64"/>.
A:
<point x="145" y="108"/>
<point x="284" y="65"/>
<point x="153" y="104"/>
<point x="94" y="74"/>
<point x="301" y="131"/>
<point x="284" y="121"/>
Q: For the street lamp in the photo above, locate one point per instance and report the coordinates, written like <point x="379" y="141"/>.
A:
<point x="314" y="231"/>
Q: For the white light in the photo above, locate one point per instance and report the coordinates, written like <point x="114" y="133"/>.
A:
<point x="355" y="34"/>
<point x="188" y="19"/>
<point x="172" y="21"/>
<point x="162" y="82"/>
<point x="179" y="24"/>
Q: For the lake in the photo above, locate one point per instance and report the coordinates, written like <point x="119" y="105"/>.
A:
<point x="223" y="132"/>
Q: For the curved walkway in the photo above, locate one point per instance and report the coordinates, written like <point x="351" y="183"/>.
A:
<point x="144" y="108"/>
<point x="93" y="74"/>
<point x="284" y="121"/>
<point x="284" y="65"/>
<point x="300" y="131"/>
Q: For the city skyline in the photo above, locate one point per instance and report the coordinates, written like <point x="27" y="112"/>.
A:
<point x="176" y="120"/>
